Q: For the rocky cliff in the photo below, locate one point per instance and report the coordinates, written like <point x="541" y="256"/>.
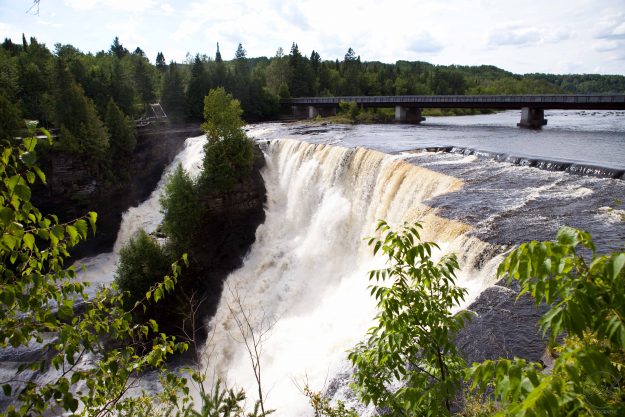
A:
<point x="72" y="190"/>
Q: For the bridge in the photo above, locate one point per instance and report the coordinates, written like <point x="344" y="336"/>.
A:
<point x="408" y="108"/>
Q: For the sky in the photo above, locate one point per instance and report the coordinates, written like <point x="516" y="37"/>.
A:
<point x="552" y="36"/>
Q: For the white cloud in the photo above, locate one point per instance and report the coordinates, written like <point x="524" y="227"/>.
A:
<point x="424" y="43"/>
<point x="9" y="31"/>
<point x="515" y="36"/>
<point x="118" y="5"/>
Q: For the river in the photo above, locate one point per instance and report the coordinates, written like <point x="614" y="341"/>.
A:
<point x="478" y="184"/>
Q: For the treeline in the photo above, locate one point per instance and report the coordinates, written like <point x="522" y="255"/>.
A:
<point x="85" y="94"/>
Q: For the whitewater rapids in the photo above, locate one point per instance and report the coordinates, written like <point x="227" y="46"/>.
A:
<point x="303" y="285"/>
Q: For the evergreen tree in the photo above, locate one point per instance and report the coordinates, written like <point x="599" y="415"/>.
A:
<point x="161" y="64"/>
<point x="302" y="77"/>
<point x="117" y="49"/>
<point x="219" y="73"/>
<point x="122" y="139"/>
<point x="144" y="80"/>
<point x="181" y="208"/>
<point x="81" y="129"/>
<point x="139" y="52"/>
<point x="196" y="90"/>
<point x="121" y="87"/>
<point x="172" y="93"/>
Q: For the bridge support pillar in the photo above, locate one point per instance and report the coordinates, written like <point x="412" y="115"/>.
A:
<point x="532" y="118"/>
<point x="408" y="115"/>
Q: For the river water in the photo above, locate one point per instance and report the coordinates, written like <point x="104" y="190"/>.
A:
<point x="477" y="192"/>
<point x="306" y="275"/>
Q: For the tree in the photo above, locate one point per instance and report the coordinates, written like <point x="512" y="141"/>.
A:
<point x="182" y="210"/>
<point x="161" y="64"/>
<point x="40" y="299"/>
<point x="82" y="131"/>
<point x="144" y="80"/>
<point x="142" y="264"/>
<point x="587" y="308"/>
<point x="228" y="153"/>
<point x="172" y="93"/>
<point x="219" y="74"/>
<point x="412" y="340"/>
<point x="117" y="49"/>
<point x="278" y="75"/>
<point x="122" y="138"/>
<point x="197" y="89"/>
<point x="302" y="78"/>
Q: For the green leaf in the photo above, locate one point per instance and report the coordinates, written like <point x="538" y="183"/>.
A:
<point x="6" y="215"/>
<point x="29" y="241"/>
<point x="23" y="192"/>
<point x="29" y="158"/>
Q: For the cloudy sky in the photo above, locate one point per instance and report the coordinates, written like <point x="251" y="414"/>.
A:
<point x="556" y="36"/>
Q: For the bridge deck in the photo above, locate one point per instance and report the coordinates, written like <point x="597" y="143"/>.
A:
<point x="564" y="102"/>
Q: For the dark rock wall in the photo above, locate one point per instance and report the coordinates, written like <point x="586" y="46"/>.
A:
<point x="72" y="189"/>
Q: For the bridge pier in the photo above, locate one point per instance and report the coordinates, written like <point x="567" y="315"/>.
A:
<point x="408" y="115"/>
<point x="532" y="118"/>
<point x="310" y="112"/>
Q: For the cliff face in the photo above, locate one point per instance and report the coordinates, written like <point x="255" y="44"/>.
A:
<point x="225" y="235"/>
<point x="72" y="190"/>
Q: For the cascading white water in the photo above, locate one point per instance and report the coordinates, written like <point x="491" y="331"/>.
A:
<point x="100" y="269"/>
<point x="305" y="282"/>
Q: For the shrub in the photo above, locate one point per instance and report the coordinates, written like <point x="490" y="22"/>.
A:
<point x="412" y="340"/>
<point x="182" y="210"/>
<point x="587" y="304"/>
<point x="142" y="264"/>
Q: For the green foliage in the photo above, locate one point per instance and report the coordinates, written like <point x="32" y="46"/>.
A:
<point x="39" y="300"/>
<point x="587" y="304"/>
<point x="228" y="153"/>
<point x="82" y="131"/>
<point x="182" y="210"/>
<point x="412" y="341"/>
<point x="323" y="408"/>
<point x="142" y="264"/>
<point x="172" y="93"/>
<point x="349" y="109"/>
<point x="122" y="138"/>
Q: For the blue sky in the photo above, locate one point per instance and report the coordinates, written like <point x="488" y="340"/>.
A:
<point x="557" y="36"/>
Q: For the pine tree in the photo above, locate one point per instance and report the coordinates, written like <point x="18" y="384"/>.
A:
<point x="196" y="90"/>
<point x="122" y="139"/>
<point x="172" y="93"/>
<point x="118" y="49"/>
<point x="81" y="129"/>
<point x="161" y="64"/>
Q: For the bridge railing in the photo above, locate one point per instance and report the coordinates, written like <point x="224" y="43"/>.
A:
<point x="458" y="99"/>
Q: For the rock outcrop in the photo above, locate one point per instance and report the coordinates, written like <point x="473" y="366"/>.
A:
<point x="72" y="189"/>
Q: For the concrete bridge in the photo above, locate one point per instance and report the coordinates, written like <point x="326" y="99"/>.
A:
<point x="408" y="108"/>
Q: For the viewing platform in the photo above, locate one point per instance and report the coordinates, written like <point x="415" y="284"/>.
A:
<point x="408" y="108"/>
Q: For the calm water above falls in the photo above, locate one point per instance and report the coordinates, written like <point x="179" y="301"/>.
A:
<point x="596" y="138"/>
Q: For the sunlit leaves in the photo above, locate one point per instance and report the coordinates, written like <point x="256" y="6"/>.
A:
<point x="411" y="342"/>
<point x="41" y="301"/>
<point x="587" y="307"/>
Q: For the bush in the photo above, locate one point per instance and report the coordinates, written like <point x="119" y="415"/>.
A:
<point x="412" y="340"/>
<point x="142" y="264"/>
<point x="228" y="153"/>
<point x="587" y="304"/>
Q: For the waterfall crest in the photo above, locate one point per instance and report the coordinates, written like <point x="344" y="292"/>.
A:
<point x="303" y="285"/>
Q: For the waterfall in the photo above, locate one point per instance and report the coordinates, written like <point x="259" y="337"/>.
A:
<point x="303" y="284"/>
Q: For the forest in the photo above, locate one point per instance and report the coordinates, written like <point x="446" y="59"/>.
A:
<point x="80" y="92"/>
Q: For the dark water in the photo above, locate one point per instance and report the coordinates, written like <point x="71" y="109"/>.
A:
<point x="519" y="184"/>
